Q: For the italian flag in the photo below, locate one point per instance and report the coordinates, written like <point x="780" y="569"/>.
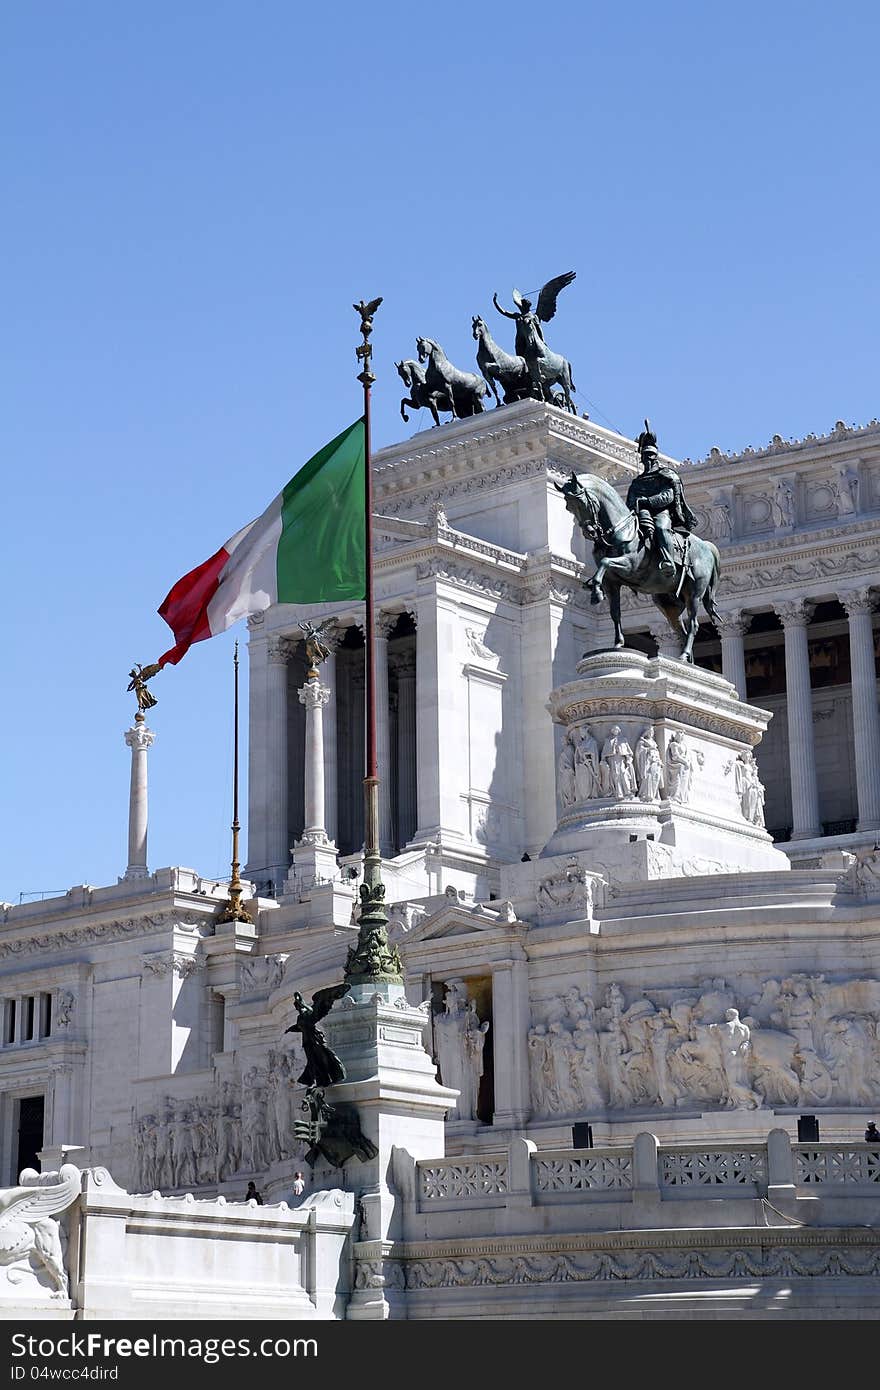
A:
<point x="307" y="547"/>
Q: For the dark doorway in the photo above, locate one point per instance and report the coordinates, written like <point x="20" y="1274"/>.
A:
<point x="30" y="1133"/>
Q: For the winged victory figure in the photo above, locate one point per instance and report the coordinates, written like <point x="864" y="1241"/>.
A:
<point x="323" y="1067"/>
<point x="316" y="649"/>
<point x="545" y="368"/>
<point x="138" y="683"/>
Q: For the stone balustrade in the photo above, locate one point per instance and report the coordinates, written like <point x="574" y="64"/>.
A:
<point x="667" y="1173"/>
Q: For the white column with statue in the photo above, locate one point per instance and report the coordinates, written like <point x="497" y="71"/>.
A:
<point x="140" y="740"/>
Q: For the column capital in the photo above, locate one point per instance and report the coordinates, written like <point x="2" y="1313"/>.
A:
<point x="140" y="737"/>
<point x="734" y="623"/>
<point x="314" y="695"/>
<point x="385" y="624"/>
<point x="796" y="612"/>
<point x="858" y="600"/>
<point x="279" y="650"/>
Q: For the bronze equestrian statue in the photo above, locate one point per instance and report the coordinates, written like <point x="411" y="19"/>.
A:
<point x="647" y="544"/>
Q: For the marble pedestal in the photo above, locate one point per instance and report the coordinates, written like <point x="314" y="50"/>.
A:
<point x="392" y="1081"/>
<point x="695" y="823"/>
<point x="314" y="862"/>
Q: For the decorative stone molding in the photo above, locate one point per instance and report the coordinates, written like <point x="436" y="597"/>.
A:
<point x="261" y="974"/>
<point x="168" y="962"/>
<point x="768" y="1256"/>
<point x="469" y="578"/>
<point x="719" y="458"/>
<point x="100" y="932"/>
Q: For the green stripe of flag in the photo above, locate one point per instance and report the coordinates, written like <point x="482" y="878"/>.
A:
<point x="322" y="550"/>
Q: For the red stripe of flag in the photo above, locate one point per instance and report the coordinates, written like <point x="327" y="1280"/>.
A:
<point x="185" y="609"/>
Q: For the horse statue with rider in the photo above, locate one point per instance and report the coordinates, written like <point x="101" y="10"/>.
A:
<point x="647" y="543"/>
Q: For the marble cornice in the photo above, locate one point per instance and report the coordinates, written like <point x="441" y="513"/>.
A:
<point x="527" y="438"/>
<point x="825" y="445"/>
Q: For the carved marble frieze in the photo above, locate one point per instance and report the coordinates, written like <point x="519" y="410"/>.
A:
<point x="99" y="932"/>
<point x="797" y="1041"/>
<point x="776" y="1255"/>
<point x="243" y="1127"/>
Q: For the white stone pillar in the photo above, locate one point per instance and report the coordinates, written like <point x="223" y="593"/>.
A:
<point x="385" y="622"/>
<point x="732" y="628"/>
<point x="278" y="654"/>
<point x="806" y="824"/>
<point x="510" y="1025"/>
<point x="405" y="666"/>
<point x="859" y="605"/>
<point x="667" y="643"/>
<point x="314" y="696"/>
<point x="139" y="740"/>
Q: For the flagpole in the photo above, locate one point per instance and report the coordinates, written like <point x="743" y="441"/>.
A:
<point x="372" y="961"/>
<point x="233" y="910"/>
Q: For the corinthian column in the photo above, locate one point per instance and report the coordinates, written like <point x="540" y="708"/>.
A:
<point x="732" y="628"/>
<point x="139" y="740"/>
<point x="799" y="701"/>
<point x="314" y="696"/>
<point x="859" y="605"/>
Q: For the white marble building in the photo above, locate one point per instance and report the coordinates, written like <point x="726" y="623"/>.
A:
<point x="599" y="928"/>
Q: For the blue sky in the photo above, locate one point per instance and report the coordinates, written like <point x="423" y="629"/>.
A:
<point x="193" y="195"/>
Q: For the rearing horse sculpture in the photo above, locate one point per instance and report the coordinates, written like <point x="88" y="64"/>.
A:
<point x="499" y="367"/>
<point x="412" y="374"/>
<point x="465" y="389"/>
<point x="623" y="557"/>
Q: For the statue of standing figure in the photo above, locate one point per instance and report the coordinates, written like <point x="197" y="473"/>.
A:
<point x="649" y="766"/>
<point x="587" y="770"/>
<point x="618" y="773"/>
<point x="459" y="1038"/>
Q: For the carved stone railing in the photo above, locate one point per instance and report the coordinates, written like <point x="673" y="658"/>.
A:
<point x="647" y="1173"/>
<point x="594" y="1172"/>
<point x="466" y="1181"/>
<point x="831" y="1165"/>
<point x="683" y="1170"/>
